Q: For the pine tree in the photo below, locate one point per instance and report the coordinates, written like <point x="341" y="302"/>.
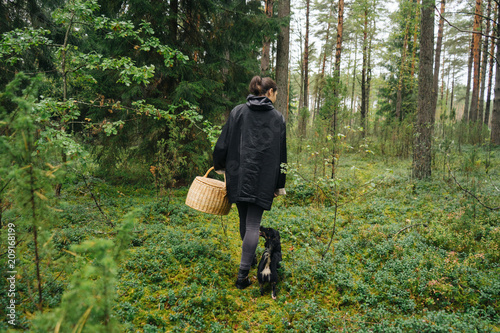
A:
<point x="422" y="157"/>
<point x="474" y="107"/>
<point x="282" y="55"/>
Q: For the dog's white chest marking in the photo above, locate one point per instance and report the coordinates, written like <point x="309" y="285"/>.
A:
<point x="267" y="270"/>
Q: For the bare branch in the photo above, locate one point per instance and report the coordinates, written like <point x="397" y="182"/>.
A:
<point x="461" y="30"/>
<point x="108" y="221"/>
<point x="470" y="193"/>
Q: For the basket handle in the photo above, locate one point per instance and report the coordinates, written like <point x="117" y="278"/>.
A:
<point x="206" y="175"/>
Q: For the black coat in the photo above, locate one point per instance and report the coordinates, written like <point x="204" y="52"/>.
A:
<point x="250" y="149"/>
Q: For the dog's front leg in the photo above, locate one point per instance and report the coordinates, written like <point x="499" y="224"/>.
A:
<point x="261" y="289"/>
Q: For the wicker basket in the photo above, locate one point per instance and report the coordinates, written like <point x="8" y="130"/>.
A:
<point x="208" y="195"/>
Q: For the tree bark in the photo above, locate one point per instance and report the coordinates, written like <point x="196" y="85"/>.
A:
<point x="451" y="96"/>
<point x="174" y="12"/>
<point x="422" y="157"/>
<point x="484" y="64"/>
<point x="437" y="60"/>
<point x="266" y="45"/>
<point x="399" y="93"/>
<point x="415" y="38"/>
<point x="336" y="75"/>
<point x="354" y="77"/>
<point x="474" y="104"/>
<point x="338" y="57"/>
<point x="306" y="59"/>
<point x="495" y="114"/>
<point x="321" y="80"/>
<point x="490" y="73"/>
<point x="282" y="55"/>
<point x="465" y="116"/>
<point x="368" y="79"/>
<point x="363" y="110"/>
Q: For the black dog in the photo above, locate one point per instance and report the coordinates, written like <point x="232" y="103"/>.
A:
<point x="270" y="261"/>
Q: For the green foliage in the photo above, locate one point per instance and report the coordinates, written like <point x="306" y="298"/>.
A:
<point x="332" y="102"/>
<point x="15" y="42"/>
<point x="27" y="178"/>
<point x="180" y="266"/>
<point x="87" y="304"/>
<point x="130" y="95"/>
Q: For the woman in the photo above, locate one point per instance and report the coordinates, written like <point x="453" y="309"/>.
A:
<point x="251" y="149"/>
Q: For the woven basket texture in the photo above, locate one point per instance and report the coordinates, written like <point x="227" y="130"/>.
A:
<point x="208" y="195"/>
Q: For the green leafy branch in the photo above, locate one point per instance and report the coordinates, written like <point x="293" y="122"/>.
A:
<point x="17" y="41"/>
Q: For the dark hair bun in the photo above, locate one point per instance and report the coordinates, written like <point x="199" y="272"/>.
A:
<point x="259" y="86"/>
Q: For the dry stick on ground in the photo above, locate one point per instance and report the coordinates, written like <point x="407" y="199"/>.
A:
<point x="108" y="221"/>
<point x="469" y="192"/>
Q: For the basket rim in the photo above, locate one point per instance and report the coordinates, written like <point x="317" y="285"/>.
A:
<point x="210" y="181"/>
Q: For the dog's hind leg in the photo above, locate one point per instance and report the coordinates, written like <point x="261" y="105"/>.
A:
<point x="274" y="290"/>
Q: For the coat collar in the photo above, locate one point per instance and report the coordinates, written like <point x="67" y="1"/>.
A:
<point x="259" y="103"/>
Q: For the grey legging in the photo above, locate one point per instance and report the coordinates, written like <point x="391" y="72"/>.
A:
<point x="250" y="217"/>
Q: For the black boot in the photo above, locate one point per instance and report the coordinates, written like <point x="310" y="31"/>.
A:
<point x="243" y="281"/>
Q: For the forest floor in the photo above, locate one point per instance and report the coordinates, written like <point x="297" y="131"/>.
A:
<point x="406" y="256"/>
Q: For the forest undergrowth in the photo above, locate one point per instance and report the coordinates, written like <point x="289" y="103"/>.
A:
<point x="405" y="256"/>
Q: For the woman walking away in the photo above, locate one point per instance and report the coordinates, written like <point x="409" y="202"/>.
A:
<point x="251" y="149"/>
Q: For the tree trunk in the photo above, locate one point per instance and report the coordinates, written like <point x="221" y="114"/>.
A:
<point x="422" y="157"/>
<point x="415" y="37"/>
<point x="490" y="73"/>
<point x="323" y="65"/>
<point x="266" y="45"/>
<point x="306" y="59"/>
<point x="282" y="55"/>
<point x="437" y="60"/>
<point x="64" y="72"/>
<point x="338" y="57"/>
<point x="465" y="116"/>
<point x="368" y="80"/>
<point x="336" y="75"/>
<point x="484" y="64"/>
<point x="174" y="12"/>
<point x="399" y="93"/>
<point x="474" y="103"/>
<point x="490" y="76"/>
<point x="451" y="97"/>
<point x="354" y="76"/>
<point x="363" y="73"/>
<point x="495" y="114"/>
